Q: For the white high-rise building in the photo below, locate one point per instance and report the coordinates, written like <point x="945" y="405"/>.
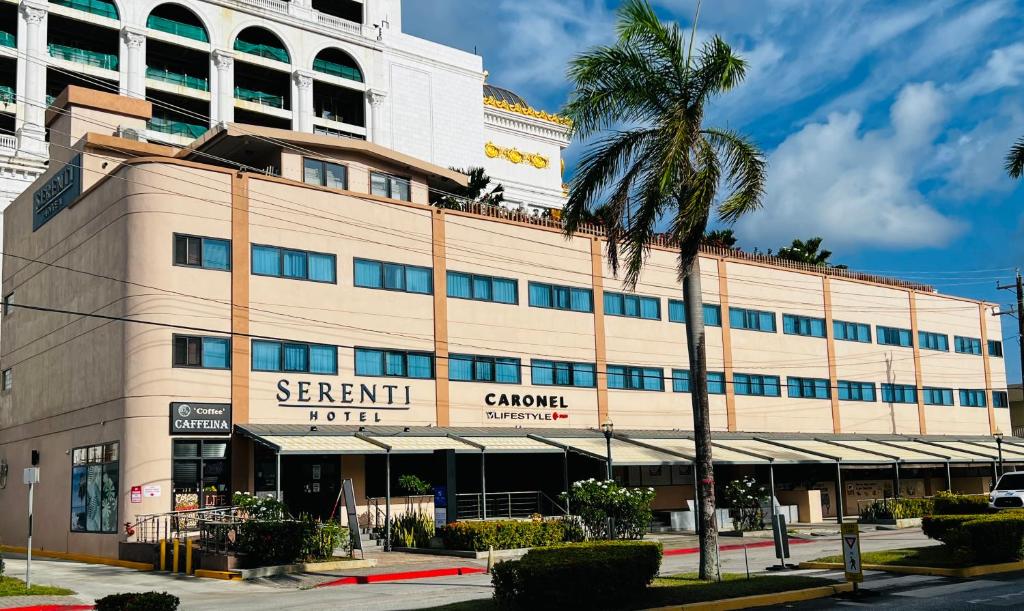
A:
<point x="339" y="67"/>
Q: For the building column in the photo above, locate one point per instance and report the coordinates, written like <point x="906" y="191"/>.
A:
<point x="135" y="42"/>
<point x="223" y="107"/>
<point x="376" y="98"/>
<point x="918" y="374"/>
<point x="32" y="134"/>
<point x="302" y="109"/>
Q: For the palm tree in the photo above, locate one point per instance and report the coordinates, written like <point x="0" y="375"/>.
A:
<point x="476" y="191"/>
<point x="1015" y="159"/>
<point x="720" y="238"/>
<point x="806" y="252"/>
<point x="665" y="165"/>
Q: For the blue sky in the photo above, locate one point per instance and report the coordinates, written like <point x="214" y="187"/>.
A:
<point x="885" y="123"/>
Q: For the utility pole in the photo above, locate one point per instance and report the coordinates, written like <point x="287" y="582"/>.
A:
<point x="1018" y="287"/>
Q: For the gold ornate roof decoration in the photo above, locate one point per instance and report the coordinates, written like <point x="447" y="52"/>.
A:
<point x="527" y="111"/>
<point x="514" y="155"/>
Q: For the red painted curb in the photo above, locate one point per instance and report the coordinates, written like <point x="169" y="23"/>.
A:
<point x="728" y="548"/>
<point x="52" y="608"/>
<point x="364" y="579"/>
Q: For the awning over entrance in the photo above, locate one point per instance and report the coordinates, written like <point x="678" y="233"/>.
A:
<point x="623" y="452"/>
<point x="319" y="444"/>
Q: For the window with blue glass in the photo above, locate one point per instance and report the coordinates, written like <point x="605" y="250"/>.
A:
<point x="892" y="336"/>
<point x="967" y="345"/>
<point x="752" y="320"/>
<point x="716" y="383"/>
<point x="383" y="363"/>
<point x="626" y="377"/>
<point x="483" y="288"/>
<point x="937" y="396"/>
<point x="558" y="373"/>
<point x="632" y="306"/>
<point x="756" y="385"/>
<point x="851" y="331"/>
<point x="856" y="391"/>
<point x="972" y="398"/>
<point x="477" y="368"/>
<point x="808" y="326"/>
<point x="899" y="393"/>
<point x="202" y="352"/>
<point x="207" y="253"/>
<point x="933" y="341"/>
<point x="294" y="264"/>
<point x="561" y="297"/>
<point x="294" y="357"/>
<point x="680" y="380"/>
<point x="712" y="313"/>
<point x="995" y="348"/>
<point x="808" y="388"/>
<point x="1000" y="398"/>
<point x="393" y="276"/>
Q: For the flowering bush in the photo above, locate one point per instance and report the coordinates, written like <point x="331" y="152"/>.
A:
<point x="593" y="502"/>
<point x="746" y="499"/>
<point x="259" y="508"/>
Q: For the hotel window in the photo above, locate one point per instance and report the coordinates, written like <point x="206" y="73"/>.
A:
<point x="207" y="253"/>
<point x="9" y="296"/>
<point x="756" y="385"/>
<point x="972" y="398"/>
<point x="625" y="377"/>
<point x="393" y="277"/>
<point x="380" y="363"/>
<point x="967" y="345"/>
<point x="94" y="488"/>
<point x="1000" y="398"/>
<point x="680" y="380"/>
<point x="294" y="264"/>
<point x="483" y="288"/>
<point x="561" y="297"/>
<point x="752" y="320"/>
<point x="389" y="186"/>
<point x="937" y="396"/>
<point x="473" y="368"/>
<point x="899" y="393"/>
<point x="6" y="379"/>
<point x="851" y="331"/>
<point x="202" y="352"/>
<point x="856" y="391"/>
<point x="891" y="336"/>
<point x="324" y="174"/>
<point x="933" y="341"/>
<point x="201" y="474"/>
<point x="632" y="306"/>
<point x="292" y="357"/>
<point x="712" y="313"/>
<point x="808" y="388"/>
<point x="807" y="326"/>
<point x="716" y="383"/>
<point x="556" y="373"/>
<point x="995" y="347"/>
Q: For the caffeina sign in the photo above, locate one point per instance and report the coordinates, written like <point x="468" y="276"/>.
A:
<point x="200" y="418"/>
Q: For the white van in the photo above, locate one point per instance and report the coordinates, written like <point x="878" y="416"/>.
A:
<point x="1008" y="492"/>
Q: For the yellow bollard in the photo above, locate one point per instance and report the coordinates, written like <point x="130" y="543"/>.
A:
<point x="163" y="554"/>
<point x="188" y="557"/>
<point x="177" y="543"/>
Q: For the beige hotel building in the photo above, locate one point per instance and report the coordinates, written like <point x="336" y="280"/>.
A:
<point x="275" y="311"/>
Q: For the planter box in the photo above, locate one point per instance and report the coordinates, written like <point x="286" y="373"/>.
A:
<point x="503" y="554"/>
<point x="761" y="534"/>
<point x="896" y="524"/>
<point x="305" y="567"/>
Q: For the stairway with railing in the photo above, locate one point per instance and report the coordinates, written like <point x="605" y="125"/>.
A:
<point x="152" y="528"/>
<point x="507" y="505"/>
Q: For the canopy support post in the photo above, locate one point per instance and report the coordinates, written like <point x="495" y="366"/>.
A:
<point x="483" y="483"/>
<point x="839" y="493"/>
<point x="896" y="481"/>
<point x="565" y="478"/>
<point x="387" y="504"/>
<point x="277" y="480"/>
<point x="949" y="478"/>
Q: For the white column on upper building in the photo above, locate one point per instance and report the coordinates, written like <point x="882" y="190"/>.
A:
<point x="223" y="107"/>
<point x="32" y="135"/>
<point x="302" y="109"/>
<point x="135" y="42"/>
<point x="376" y="98"/>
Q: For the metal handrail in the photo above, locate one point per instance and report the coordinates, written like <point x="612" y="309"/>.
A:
<point x="506" y="505"/>
<point x="151" y="528"/>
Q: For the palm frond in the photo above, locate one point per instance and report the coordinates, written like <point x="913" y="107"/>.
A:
<point x="1015" y="160"/>
<point x="746" y="171"/>
<point x="695" y="202"/>
<point x="718" y="68"/>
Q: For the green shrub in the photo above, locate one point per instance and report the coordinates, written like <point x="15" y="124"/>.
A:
<point x="948" y="504"/>
<point x="601" y="574"/>
<point x="594" y="502"/>
<point x="746" y="500"/>
<point x="502" y="534"/>
<point x="138" y="601"/>
<point x="320" y="540"/>
<point x="996" y="538"/>
<point x="413" y="486"/>
<point x="412" y="529"/>
<point x="947" y="529"/>
<point x="259" y="507"/>
<point x="897" y="509"/>
<point x="271" y="543"/>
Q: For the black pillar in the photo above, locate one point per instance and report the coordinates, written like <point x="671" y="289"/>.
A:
<point x="446" y="467"/>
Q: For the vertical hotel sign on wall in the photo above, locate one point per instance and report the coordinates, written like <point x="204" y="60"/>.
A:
<point x="57" y="193"/>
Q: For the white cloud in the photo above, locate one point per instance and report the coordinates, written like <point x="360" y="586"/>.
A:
<point x="1004" y="68"/>
<point x="857" y="188"/>
<point x="971" y="160"/>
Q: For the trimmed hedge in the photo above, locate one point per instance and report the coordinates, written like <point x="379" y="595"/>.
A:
<point x="949" y="504"/>
<point x="896" y="509"/>
<point x="577" y="575"/>
<point x="138" y="601"/>
<point x="502" y="534"/>
<point x="985" y="538"/>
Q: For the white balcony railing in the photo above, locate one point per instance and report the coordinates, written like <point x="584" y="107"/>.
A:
<point x="338" y="23"/>
<point x="277" y="6"/>
<point x="8" y="143"/>
<point x="286" y="8"/>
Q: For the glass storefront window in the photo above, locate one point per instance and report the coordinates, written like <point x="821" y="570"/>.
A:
<point x="94" y="488"/>
<point x="201" y="474"/>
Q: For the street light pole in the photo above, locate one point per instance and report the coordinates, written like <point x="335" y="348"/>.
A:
<point x="999" y="447"/>
<point x="609" y="429"/>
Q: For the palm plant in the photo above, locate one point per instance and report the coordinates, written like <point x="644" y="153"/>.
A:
<point x="720" y="238"/>
<point x="665" y="164"/>
<point x="806" y="252"/>
<point x="1015" y="159"/>
<point x="476" y="191"/>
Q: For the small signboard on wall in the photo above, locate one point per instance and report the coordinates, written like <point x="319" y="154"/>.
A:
<point x="136" y="494"/>
<point x="151" y="491"/>
<point x="200" y="418"/>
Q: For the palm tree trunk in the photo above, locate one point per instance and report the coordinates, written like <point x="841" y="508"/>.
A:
<point x="707" y="523"/>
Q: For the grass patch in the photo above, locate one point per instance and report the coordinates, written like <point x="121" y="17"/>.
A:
<point x="10" y="586"/>
<point x="935" y="556"/>
<point x="686" y="588"/>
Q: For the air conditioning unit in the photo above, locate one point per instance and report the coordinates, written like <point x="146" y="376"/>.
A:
<point x="129" y="133"/>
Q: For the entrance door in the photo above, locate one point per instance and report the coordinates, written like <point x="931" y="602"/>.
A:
<point x="310" y="484"/>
